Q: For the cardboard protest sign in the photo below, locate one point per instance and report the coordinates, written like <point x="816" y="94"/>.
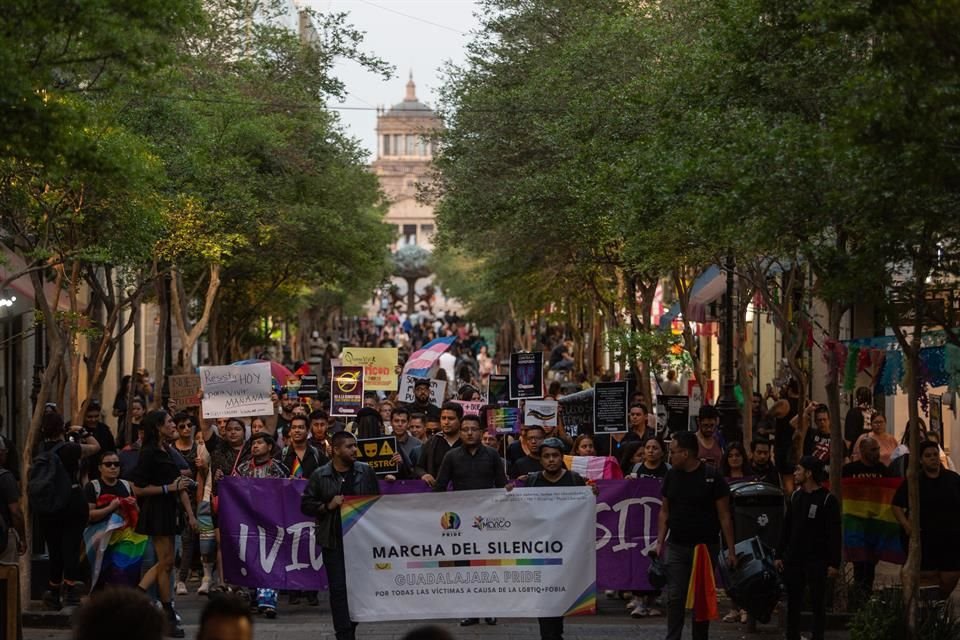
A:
<point x="185" y="390"/>
<point x="610" y="407"/>
<point x="346" y="391"/>
<point x="540" y="412"/>
<point x="470" y="408"/>
<point x="378" y="453"/>
<point x="236" y="390"/>
<point x="437" y="390"/>
<point x="526" y="375"/>
<point x="379" y="366"/>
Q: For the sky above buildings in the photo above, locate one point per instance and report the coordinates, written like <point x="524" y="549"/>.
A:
<point x="417" y="35"/>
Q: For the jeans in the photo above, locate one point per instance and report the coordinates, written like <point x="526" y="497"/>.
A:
<point x="679" y="565"/>
<point x="333" y="562"/>
<point x="63" y="535"/>
<point x="551" y="628"/>
<point x="798" y="577"/>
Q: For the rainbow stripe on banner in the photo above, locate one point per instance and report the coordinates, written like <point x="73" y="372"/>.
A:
<point x="586" y="604"/>
<point x="870" y="532"/>
<point x="503" y="420"/>
<point x="513" y="562"/>
<point x="353" y="508"/>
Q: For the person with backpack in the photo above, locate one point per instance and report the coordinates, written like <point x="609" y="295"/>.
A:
<point x="107" y="494"/>
<point x="158" y="483"/>
<point x="53" y="487"/>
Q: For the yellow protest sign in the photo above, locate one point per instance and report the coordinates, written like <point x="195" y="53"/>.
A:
<point x="379" y="366"/>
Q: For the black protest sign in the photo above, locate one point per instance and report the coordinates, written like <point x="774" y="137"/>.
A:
<point x="378" y="453"/>
<point x="526" y="375"/>
<point x="672" y="413"/>
<point x="610" y="407"/>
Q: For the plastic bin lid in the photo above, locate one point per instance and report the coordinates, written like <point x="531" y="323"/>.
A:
<point x="755" y="490"/>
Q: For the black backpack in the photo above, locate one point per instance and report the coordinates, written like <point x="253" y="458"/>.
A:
<point x="49" y="484"/>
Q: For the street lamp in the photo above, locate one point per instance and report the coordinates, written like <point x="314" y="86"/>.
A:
<point x="727" y="404"/>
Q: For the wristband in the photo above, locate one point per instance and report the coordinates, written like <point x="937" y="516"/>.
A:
<point x="164" y="487"/>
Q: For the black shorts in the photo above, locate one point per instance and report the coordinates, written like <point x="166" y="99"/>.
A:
<point x="939" y="552"/>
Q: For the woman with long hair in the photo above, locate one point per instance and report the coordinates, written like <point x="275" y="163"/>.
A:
<point x="584" y="446"/>
<point x="159" y="484"/>
<point x="735" y="465"/>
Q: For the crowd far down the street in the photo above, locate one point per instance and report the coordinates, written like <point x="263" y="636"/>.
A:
<point x="406" y="495"/>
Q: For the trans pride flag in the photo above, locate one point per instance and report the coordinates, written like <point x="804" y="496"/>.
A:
<point x="870" y="532"/>
<point x="421" y="361"/>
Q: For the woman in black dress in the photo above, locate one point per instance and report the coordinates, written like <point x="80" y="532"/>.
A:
<point x="159" y="484"/>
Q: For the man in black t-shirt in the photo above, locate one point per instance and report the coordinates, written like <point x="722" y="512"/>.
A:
<point x="553" y="475"/>
<point x="695" y="508"/>
<point x="530" y="462"/>
<point x="939" y="517"/>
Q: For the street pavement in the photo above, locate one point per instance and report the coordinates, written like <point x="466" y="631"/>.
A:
<point x="302" y="620"/>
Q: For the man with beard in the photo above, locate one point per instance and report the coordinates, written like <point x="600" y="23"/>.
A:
<point x="421" y="403"/>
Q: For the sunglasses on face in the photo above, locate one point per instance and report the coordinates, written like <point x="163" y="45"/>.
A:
<point x="110" y="464"/>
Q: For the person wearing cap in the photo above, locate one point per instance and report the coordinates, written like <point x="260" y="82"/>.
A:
<point x="809" y="548"/>
<point x="421" y="403"/>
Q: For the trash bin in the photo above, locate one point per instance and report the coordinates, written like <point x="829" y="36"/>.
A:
<point x="754" y="584"/>
<point x="758" y="510"/>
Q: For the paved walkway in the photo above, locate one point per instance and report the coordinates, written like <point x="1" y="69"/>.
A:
<point x="314" y="623"/>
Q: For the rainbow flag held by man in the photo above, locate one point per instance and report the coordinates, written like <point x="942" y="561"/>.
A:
<point x="702" y="589"/>
<point x="870" y="532"/>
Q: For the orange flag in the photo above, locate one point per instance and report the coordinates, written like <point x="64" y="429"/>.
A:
<point x="702" y="590"/>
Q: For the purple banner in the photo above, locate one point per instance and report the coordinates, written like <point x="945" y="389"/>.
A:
<point x="268" y="542"/>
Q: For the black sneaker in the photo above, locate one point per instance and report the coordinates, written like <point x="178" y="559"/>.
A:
<point x="174" y="629"/>
<point x="469" y="622"/>
<point x="51" y="600"/>
<point x="490" y="621"/>
<point x="71" y="595"/>
<point x="312" y="599"/>
<point x="294" y="597"/>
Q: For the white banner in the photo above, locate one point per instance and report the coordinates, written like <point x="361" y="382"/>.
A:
<point x="437" y="389"/>
<point x="540" y="412"/>
<point x="521" y="554"/>
<point x="236" y="390"/>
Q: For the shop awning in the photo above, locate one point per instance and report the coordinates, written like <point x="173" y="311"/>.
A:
<point x="710" y="286"/>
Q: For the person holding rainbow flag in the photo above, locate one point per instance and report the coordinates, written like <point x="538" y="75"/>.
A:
<point x="695" y="509"/>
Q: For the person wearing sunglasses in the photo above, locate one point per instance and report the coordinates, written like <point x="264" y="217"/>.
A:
<point x="109" y="484"/>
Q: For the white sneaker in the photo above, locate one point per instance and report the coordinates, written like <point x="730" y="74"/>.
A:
<point x="181" y="589"/>
<point x="633" y="604"/>
<point x="204" y="587"/>
<point x="640" y="611"/>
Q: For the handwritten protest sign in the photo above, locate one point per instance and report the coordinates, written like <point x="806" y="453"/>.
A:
<point x="236" y="390"/>
<point x="185" y="390"/>
<point x="540" y="412"/>
<point x="379" y="366"/>
<point x="346" y="391"/>
<point x="378" y="453"/>
<point x="437" y="390"/>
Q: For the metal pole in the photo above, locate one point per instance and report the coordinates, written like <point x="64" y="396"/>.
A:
<point x="167" y="342"/>
<point x="727" y="404"/>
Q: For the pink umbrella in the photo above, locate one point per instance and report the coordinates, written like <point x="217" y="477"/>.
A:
<point x="278" y="372"/>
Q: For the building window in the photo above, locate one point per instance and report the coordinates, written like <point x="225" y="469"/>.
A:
<point x="409" y="234"/>
<point x="411" y="145"/>
<point x="422" y="147"/>
<point x="386" y="145"/>
<point x="397" y="144"/>
<point x="426" y="230"/>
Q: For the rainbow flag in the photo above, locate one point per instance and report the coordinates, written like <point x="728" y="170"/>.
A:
<point x="296" y="471"/>
<point x="115" y="552"/>
<point x="702" y="589"/>
<point x="870" y="532"/>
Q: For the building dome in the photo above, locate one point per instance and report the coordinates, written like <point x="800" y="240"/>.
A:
<point x="411" y="106"/>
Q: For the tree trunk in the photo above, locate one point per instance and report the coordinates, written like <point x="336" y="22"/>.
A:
<point x="833" y="403"/>
<point x="189" y="336"/>
<point x="160" y="354"/>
